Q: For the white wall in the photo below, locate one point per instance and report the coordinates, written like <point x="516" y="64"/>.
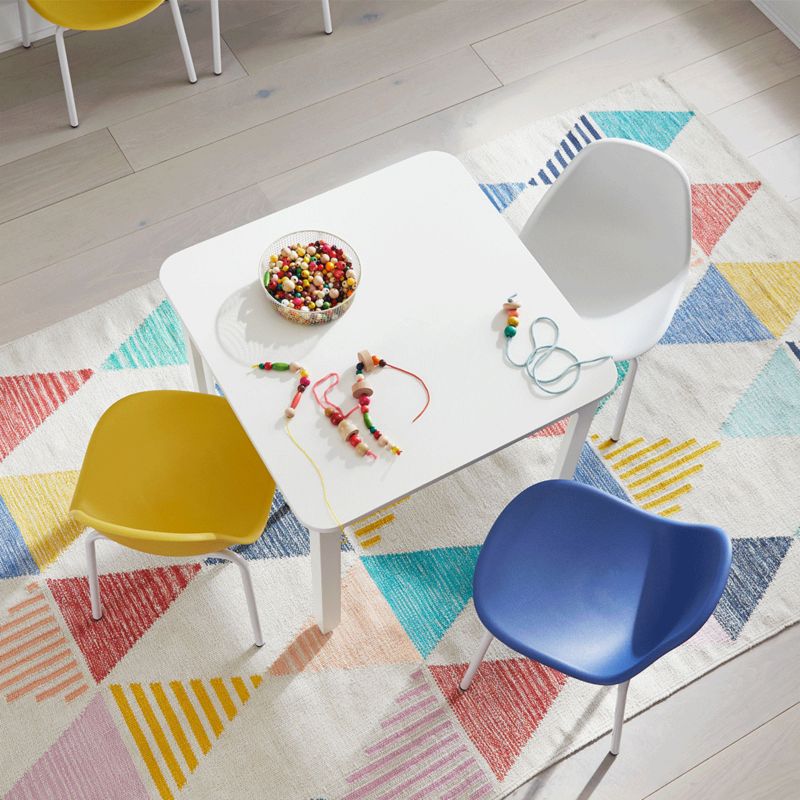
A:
<point x="785" y="14"/>
<point x="10" y="35"/>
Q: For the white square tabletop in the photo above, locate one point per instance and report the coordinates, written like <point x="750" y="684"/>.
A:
<point x="438" y="262"/>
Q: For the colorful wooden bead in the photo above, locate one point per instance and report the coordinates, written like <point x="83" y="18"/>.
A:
<point x="510" y="331"/>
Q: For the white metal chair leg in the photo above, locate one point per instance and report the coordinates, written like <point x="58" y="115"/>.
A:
<point x="476" y="661"/>
<point x="22" y="8"/>
<point x="247" y="581"/>
<point x="326" y="16"/>
<point x="94" y="582"/>
<point x="65" y="77"/>
<point x="627" y="388"/>
<point x="215" y="37"/>
<point x="619" y="717"/>
<point x="183" y="41"/>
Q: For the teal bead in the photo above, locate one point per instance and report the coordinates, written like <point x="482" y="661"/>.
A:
<point x="510" y="331"/>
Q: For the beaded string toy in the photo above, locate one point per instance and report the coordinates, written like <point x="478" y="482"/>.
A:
<point x="339" y="418"/>
<point x="302" y="385"/>
<point x="363" y="392"/>
<point x="541" y="352"/>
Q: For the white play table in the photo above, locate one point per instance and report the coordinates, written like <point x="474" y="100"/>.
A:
<point x="438" y="262"/>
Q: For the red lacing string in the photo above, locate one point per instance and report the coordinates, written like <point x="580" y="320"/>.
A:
<point x="422" y="382"/>
<point x="326" y="402"/>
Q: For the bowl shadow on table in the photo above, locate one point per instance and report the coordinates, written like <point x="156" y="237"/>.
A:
<point x="247" y="327"/>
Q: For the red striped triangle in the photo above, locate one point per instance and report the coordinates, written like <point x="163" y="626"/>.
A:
<point x="26" y="401"/>
<point x="503" y="707"/>
<point x="714" y="207"/>
<point x="132" y="602"/>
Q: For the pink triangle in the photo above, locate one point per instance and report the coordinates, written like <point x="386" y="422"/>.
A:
<point x="89" y="760"/>
<point x="553" y="429"/>
<point x="714" y="207"/>
<point x="132" y="602"/>
<point x="503" y="707"/>
<point x="26" y="401"/>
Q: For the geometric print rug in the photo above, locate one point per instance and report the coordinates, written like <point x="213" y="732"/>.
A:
<point x="166" y="698"/>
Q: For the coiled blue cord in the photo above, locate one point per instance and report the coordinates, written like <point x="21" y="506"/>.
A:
<point x="541" y="352"/>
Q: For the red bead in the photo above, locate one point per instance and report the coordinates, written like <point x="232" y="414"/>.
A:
<point x="364" y="401"/>
<point x="336" y="418"/>
<point x="377" y="434"/>
<point x="355" y="440"/>
<point x="267" y="365"/>
<point x="305" y="382"/>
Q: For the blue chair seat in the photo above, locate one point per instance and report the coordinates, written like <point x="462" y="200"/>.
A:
<point x="593" y="586"/>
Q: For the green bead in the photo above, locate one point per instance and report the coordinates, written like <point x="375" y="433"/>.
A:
<point x="368" y="421"/>
<point x="280" y="366"/>
<point x="510" y="331"/>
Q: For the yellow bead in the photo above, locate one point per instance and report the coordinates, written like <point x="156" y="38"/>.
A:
<point x="351" y="281"/>
<point x="273" y="259"/>
<point x="306" y="259"/>
<point x="513" y="321"/>
<point x="306" y="283"/>
<point x="301" y="251"/>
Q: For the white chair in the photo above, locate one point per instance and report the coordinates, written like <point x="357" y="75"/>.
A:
<point x="614" y="234"/>
<point x="215" y="34"/>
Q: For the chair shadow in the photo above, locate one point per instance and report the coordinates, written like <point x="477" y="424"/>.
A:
<point x="588" y="790"/>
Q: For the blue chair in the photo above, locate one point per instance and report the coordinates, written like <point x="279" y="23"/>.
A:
<point x="593" y="586"/>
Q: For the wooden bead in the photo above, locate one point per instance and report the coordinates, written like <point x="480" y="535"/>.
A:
<point x="365" y="358"/>
<point x="361" y="389"/>
<point x="294" y="367"/>
<point x="289" y="413"/>
<point x="361" y="448"/>
<point x="383" y="441"/>
<point x="510" y="306"/>
<point x="346" y="429"/>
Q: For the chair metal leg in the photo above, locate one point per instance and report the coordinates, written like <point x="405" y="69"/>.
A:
<point x="247" y="581"/>
<point x="619" y="717"/>
<point x="183" y="41"/>
<point x="627" y="387"/>
<point x="476" y="661"/>
<point x="216" y="45"/>
<point x="326" y="16"/>
<point x="65" y="77"/>
<point x="572" y="444"/>
<point x="22" y="8"/>
<point x="94" y="582"/>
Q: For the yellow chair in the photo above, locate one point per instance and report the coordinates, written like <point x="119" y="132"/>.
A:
<point x="96" y="15"/>
<point x="173" y="473"/>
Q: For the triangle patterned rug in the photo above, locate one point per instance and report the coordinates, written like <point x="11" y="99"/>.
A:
<point x="165" y="698"/>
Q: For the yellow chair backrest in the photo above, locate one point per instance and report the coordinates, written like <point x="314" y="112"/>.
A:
<point x="93" y="15"/>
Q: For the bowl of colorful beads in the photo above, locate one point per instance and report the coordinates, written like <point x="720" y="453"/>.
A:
<point x="310" y="277"/>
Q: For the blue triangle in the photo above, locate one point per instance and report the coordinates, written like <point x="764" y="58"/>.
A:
<point x="754" y="564"/>
<point x="714" y="313"/>
<point x="427" y="589"/>
<point x="157" y="342"/>
<point x="656" y="128"/>
<point x="771" y="404"/>
<point x="15" y="558"/>
<point x="593" y="472"/>
<point x="502" y="195"/>
<point x="284" y="536"/>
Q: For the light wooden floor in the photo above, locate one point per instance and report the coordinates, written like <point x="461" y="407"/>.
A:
<point x="157" y="165"/>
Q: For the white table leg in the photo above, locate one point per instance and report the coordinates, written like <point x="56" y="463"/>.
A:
<point x="571" y="447"/>
<point x="197" y="366"/>
<point x="326" y="579"/>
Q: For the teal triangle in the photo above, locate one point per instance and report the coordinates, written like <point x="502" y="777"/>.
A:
<point x="427" y="589"/>
<point x="754" y="563"/>
<point x="622" y="371"/>
<point x="714" y="313"/>
<point x="771" y="404"/>
<point x="157" y="342"/>
<point x="502" y="195"/>
<point x="656" y="128"/>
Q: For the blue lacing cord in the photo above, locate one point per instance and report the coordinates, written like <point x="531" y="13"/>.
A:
<point x="541" y="352"/>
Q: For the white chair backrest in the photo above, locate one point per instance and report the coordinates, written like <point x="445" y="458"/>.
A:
<point x="615" y="228"/>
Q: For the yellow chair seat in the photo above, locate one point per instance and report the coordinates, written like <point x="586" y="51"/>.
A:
<point x="93" y="15"/>
<point x="173" y="473"/>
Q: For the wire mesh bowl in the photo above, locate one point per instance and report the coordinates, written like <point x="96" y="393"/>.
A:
<point x="317" y="316"/>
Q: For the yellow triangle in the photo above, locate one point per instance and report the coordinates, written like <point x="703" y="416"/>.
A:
<point x="771" y="289"/>
<point x="39" y="505"/>
<point x="173" y="725"/>
<point x="369" y="634"/>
